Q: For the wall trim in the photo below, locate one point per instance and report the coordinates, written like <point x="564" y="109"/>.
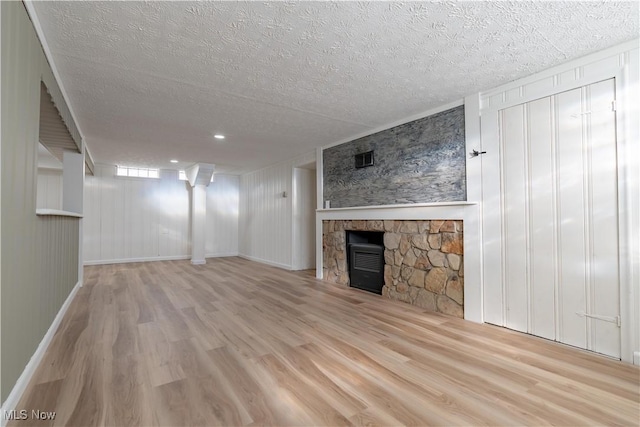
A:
<point x="23" y="381"/>
<point x="264" y="261"/>
<point x="404" y="205"/>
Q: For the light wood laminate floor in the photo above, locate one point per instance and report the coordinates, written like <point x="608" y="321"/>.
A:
<point x="234" y="342"/>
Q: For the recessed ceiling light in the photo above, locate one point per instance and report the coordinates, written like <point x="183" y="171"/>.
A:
<point x="173" y="161"/>
<point x="218" y="136"/>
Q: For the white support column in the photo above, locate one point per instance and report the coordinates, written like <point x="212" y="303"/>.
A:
<point x="72" y="182"/>
<point x="199" y="176"/>
<point x="319" y="205"/>
<point x="73" y="196"/>
<point x="198" y="223"/>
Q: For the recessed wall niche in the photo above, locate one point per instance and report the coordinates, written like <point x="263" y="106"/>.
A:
<point x="422" y="161"/>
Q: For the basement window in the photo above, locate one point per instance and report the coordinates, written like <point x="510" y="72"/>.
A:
<point x="137" y="172"/>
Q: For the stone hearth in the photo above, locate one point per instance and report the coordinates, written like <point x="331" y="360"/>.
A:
<point x="423" y="260"/>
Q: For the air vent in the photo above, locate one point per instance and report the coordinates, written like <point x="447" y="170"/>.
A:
<point x="364" y="159"/>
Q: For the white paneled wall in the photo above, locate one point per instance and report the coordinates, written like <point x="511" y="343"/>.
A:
<point x="223" y="198"/>
<point x="49" y="192"/>
<point x="266" y="216"/>
<point x="560" y="213"/>
<point x="138" y="219"/>
<point x="560" y="218"/>
<point x="304" y="219"/>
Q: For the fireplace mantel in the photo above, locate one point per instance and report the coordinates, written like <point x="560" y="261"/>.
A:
<point x="468" y="212"/>
<point x="403" y="206"/>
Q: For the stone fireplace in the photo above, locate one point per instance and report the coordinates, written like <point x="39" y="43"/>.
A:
<point x="423" y="260"/>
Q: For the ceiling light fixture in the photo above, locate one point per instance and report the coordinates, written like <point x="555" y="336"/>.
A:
<point x="218" y="136"/>
<point x="173" y="161"/>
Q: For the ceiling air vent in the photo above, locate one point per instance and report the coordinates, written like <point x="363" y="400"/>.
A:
<point x="364" y="159"/>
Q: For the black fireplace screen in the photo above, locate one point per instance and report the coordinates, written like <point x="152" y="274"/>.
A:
<point x="366" y="266"/>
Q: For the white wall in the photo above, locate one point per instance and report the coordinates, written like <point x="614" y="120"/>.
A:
<point x="49" y="191"/>
<point x="266" y="216"/>
<point x="619" y="62"/>
<point x="223" y="199"/>
<point x="138" y="219"/>
<point x="304" y="219"/>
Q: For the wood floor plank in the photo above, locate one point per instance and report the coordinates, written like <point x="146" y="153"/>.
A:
<point x="234" y="342"/>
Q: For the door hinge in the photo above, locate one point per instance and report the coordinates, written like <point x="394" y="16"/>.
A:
<point x="614" y="107"/>
<point x="610" y="319"/>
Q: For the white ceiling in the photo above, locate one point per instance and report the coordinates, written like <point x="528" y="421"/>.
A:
<point x="151" y="81"/>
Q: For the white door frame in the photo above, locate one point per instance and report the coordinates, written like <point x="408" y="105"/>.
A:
<point x="296" y="231"/>
<point x="620" y="63"/>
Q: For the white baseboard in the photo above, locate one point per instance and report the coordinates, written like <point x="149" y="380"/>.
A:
<point x="155" y="258"/>
<point x="24" y="379"/>
<point x="636" y="357"/>
<point x="222" y="255"/>
<point x="128" y="260"/>
<point x="264" y="261"/>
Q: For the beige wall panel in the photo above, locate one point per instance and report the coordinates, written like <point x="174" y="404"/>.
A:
<point x="40" y="254"/>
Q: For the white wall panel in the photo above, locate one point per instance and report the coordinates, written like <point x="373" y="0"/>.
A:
<point x="542" y="223"/>
<point x="605" y="337"/>
<point x="516" y="219"/>
<point x="304" y="219"/>
<point x="572" y="238"/>
<point x="133" y="219"/>
<point x="559" y="163"/>
<point x="223" y="198"/>
<point x="266" y="216"/>
<point x="569" y="206"/>
<point x="49" y="192"/>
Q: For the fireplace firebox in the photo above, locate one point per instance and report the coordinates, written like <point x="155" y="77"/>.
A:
<point x="365" y="256"/>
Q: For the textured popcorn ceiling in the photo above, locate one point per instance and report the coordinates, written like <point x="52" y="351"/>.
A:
<point x="152" y="81"/>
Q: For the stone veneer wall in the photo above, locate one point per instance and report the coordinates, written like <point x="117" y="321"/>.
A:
<point x="423" y="260"/>
<point x="427" y="153"/>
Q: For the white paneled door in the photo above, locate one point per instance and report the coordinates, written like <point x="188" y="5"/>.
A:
<point x="559" y="219"/>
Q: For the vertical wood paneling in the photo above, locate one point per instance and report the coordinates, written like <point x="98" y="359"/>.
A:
<point x="570" y="136"/>
<point x="491" y="213"/>
<point x="604" y="221"/>
<point x="614" y="175"/>
<point x="514" y="186"/>
<point x="143" y="219"/>
<point x="304" y="216"/>
<point x="571" y="238"/>
<point x="39" y="254"/>
<point x="222" y="215"/>
<point x="542" y="227"/>
<point x="58" y="247"/>
<point x="266" y="216"/>
<point x="49" y="191"/>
